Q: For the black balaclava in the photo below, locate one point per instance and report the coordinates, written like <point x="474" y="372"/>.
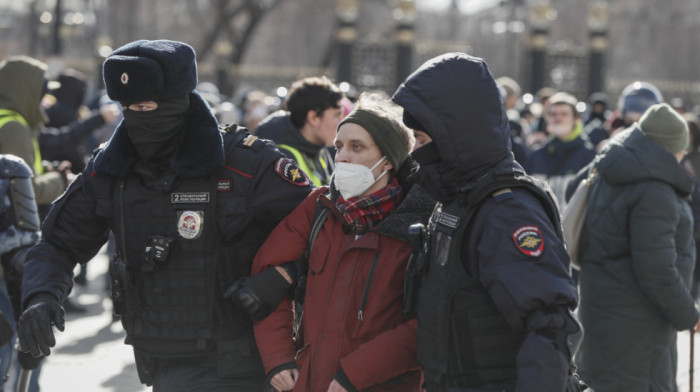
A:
<point x="156" y="133"/>
<point x="431" y="173"/>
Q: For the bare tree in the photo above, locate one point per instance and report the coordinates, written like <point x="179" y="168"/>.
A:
<point x="236" y="21"/>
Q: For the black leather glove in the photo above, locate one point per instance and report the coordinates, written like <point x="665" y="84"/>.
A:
<point x="27" y="360"/>
<point x="260" y="294"/>
<point x="34" y="326"/>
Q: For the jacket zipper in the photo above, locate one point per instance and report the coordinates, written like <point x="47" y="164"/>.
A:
<point x="122" y="231"/>
<point x="365" y="292"/>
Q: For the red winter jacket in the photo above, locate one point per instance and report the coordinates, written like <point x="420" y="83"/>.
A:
<point x="353" y="306"/>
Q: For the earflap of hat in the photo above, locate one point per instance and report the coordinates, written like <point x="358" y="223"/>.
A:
<point x="133" y="79"/>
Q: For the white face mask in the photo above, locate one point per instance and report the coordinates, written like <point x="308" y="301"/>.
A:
<point x="353" y="179"/>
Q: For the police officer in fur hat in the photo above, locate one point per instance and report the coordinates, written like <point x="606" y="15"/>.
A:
<point x="189" y="204"/>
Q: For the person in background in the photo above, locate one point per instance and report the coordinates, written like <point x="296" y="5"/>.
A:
<point x="307" y="126"/>
<point x="511" y="93"/>
<point x="691" y="163"/>
<point x="634" y="100"/>
<point x="637" y="257"/>
<point x="22" y="86"/>
<point x="567" y="150"/>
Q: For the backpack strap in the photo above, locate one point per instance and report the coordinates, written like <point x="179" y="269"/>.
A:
<point x="317" y="222"/>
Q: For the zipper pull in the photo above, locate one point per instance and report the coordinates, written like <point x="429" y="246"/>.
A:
<point x="359" y="315"/>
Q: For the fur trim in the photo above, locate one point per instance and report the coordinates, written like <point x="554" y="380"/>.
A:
<point x="200" y="152"/>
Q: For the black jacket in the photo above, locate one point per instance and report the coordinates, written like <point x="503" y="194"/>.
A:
<point x="78" y="224"/>
<point x="455" y="99"/>
<point x="637" y="258"/>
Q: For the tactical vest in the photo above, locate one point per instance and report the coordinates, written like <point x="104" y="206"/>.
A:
<point x="463" y="339"/>
<point x="175" y="261"/>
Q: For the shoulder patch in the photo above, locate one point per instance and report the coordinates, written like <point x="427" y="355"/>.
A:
<point x="288" y="169"/>
<point x="529" y="240"/>
<point x="250" y="140"/>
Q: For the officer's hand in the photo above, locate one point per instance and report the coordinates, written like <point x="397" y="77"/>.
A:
<point x="259" y="295"/>
<point x="27" y="360"/>
<point x="284" y="380"/>
<point x="336" y="387"/>
<point x="34" y="325"/>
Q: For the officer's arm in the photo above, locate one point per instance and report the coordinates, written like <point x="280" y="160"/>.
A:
<point x="279" y="188"/>
<point x="71" y="233"/>
<point x="533" y="291"/>
<point x="273" y="334"/>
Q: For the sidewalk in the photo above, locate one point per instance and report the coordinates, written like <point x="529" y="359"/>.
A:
<point x="90" y="355"/>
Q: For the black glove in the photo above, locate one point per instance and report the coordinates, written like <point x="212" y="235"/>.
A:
<point x="260" y="294"/>
<point x="27" y="360"/>
<point x="34" y="326"/>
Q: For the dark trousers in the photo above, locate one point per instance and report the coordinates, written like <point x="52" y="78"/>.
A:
<point x="179" y="376"/>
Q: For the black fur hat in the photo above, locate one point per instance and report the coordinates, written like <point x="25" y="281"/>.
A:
<point x="150" y="71"/>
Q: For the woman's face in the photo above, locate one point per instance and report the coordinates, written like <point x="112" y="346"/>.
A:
<point x="355" y="145"/>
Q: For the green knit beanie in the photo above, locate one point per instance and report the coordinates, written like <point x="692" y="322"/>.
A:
<point x="388" y="139"/>
<point x="666" y="127"/>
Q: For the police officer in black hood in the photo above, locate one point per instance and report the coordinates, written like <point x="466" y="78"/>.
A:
<point x="495" y="297"/>
<point x="189" y="204"/>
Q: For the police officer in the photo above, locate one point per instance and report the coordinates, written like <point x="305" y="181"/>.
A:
<point x="495" y="298"/>
<point x="189" y="204"/>
<point x="19" y="230"/>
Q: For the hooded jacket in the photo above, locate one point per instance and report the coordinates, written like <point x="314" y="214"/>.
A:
<point x="278" y="127"/>
<point x="456" y="101"/>
<point x="636" y="265"/>
<point x="21" y="84"/>
<point x="353" y="316"/>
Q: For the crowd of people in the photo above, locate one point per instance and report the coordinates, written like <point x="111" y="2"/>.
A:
<point x="328" y="241"/>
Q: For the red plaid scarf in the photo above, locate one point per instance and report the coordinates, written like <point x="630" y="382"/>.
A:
<point x="362" y="214"/>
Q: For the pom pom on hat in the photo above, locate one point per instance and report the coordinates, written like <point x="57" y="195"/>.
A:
<point x="150" y="71"/>
<point x="662" y="124"/>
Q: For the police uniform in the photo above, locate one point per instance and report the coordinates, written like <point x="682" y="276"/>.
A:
<point x="183" y="236"/>
<point x="494" y="294"/>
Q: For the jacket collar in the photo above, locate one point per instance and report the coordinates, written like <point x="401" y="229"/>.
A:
<point x="200" y="152"/>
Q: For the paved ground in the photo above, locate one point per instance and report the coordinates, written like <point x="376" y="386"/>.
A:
<point x="91" y="356"/>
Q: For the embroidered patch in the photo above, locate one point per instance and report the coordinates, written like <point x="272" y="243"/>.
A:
<point x="189" y="197"/>
<point x="529" y="240"/>
<point x="125" y="78"/>
<point x="190" y="224"/>
<point x="223" y="185"/>
<point x="289" y="170"/>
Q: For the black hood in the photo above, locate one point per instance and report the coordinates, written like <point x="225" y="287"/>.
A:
<point x="455" y="99"/>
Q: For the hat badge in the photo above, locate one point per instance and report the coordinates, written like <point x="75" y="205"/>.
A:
<point x="125" y="78"/>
